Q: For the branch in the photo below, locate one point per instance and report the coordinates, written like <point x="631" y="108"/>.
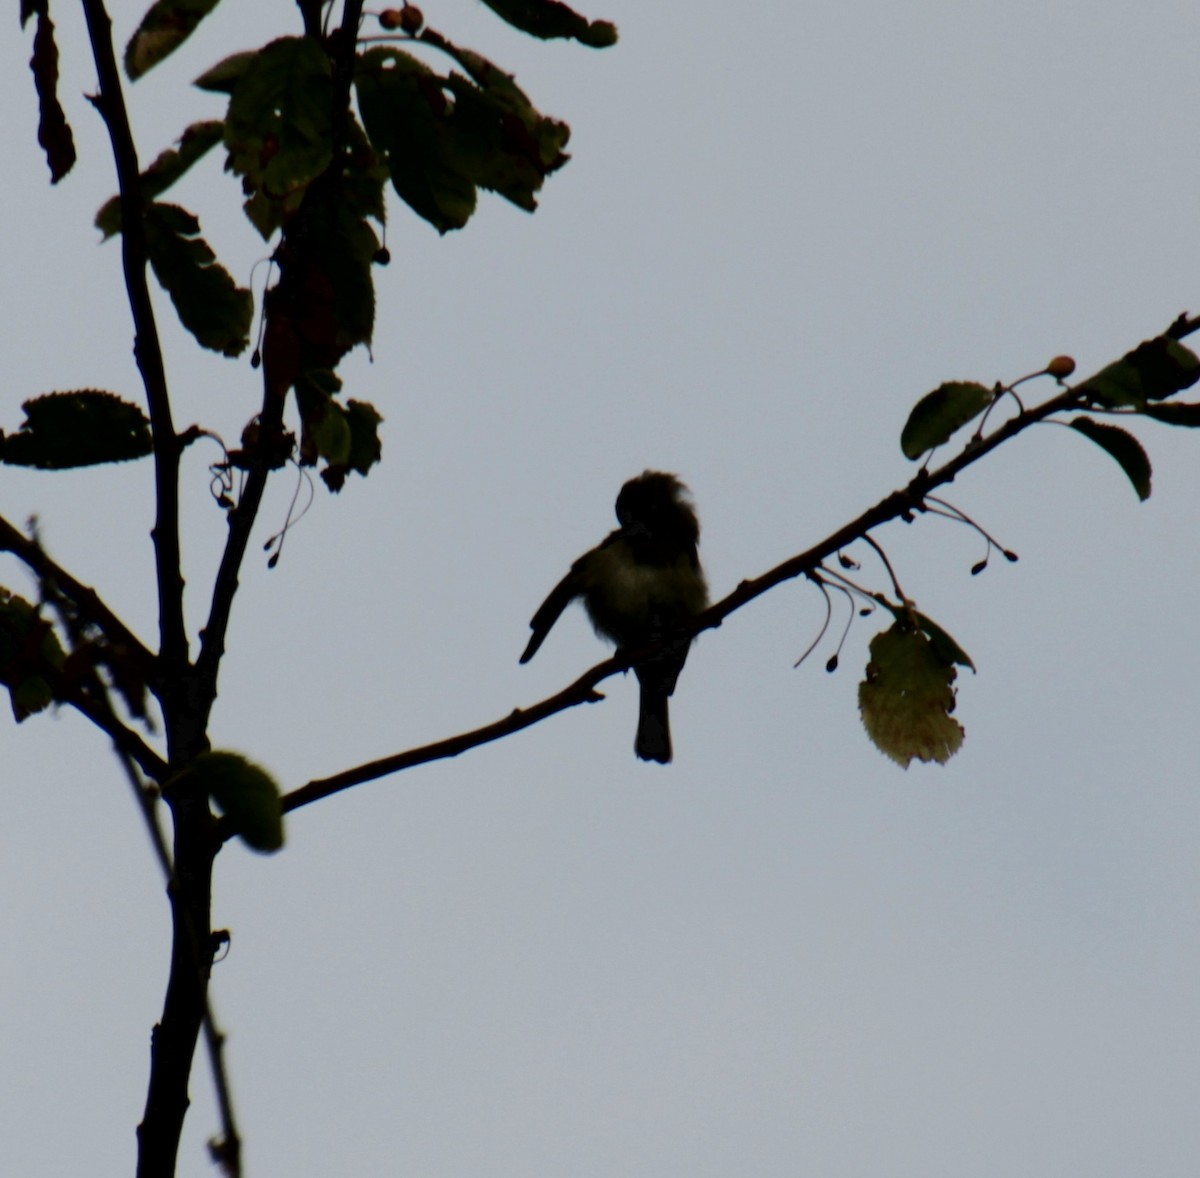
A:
<point x="283" y="303"/>
<point x="147" y="350"/>
<point x="903" y="503"/>
<point x="91" y="605"/>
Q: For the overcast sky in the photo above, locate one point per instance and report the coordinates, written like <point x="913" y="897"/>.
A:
<point x="781" y="955"/>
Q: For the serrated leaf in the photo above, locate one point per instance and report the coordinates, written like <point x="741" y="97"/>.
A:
<point x="278" y="128"/>
<point x="907" y="697"/>
<point x="937" y="415"/>
<point x="209" y="303"/>
<point x="225" y="75"/>
<point x="549" y="18"/>
<point x="1124" y="447"/>
<point x="1174" y="413"/>
<point x="54" y="132"/>
<point x="196" y="141"/>
<point x="165" y="27"/>
<point x="80" y="428"/>
<point x="245" y="793"/>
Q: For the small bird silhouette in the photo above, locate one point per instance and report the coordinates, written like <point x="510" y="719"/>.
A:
<point x="641" y="586"/>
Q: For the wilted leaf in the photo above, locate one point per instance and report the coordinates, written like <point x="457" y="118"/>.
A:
<point x="907" y="697"/>
<point x="1124" y="447"/>
<point x="278" y="127"/>
<point x="937" y="415"/>
<point x="54" y="133"/>
<point x="549" y="18"/>
<point x="81" y="428"/>
<point x="209" y="303"/>
<point x="363" y="421"/>
<point x="171" y="164"/>
<point x="244" y="792"/>
<point x="165" y="27"/>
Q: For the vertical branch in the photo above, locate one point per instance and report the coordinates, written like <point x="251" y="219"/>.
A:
<point x="148" y="354"/>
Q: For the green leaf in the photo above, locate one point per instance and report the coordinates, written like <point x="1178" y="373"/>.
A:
<point x="81" y="428"/>
<point x="407" y="114"/>
<point x="549" y="18"/>
<point x="54" y="133"/>
<point x="1155" y="369"/>
<point x="1124" y="447"/>
<point x="165" y="27"/>
<point x="907" y="697"/>
<point x="278" y="127"/>
<point x="246" y="794"/>
<point x="30" y="655"/>
<point x="937" y="415"/>
<point x="171" y="164"/>
<point x="1174" y="413"/>
<point x="225" y="75"/>
<point x="209" y="303"/>
<point x="944" y="646"/>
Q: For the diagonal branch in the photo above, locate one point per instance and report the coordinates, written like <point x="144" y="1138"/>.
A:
<point x="147" y="350"/>
<point x="903" y="503"/>
<point x="90" y="604"/>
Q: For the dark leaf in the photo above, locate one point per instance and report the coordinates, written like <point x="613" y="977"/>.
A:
<point x="1124" y="447"/>
<point x="82" y="428"/>
<point x="209" y="303"/>
<point x="549" y="18"/>
<point x="165" y="27"/>
<point x="225" y="75"/>
<point x="937" y="415"/>
<point x="1155" y="369"/>
<point x="278" y="127"/>
<point x="54" y="133"/>
<point x="194" y="144"/>
<point x="30" y="655"/>
<point x="1175" y="413"/>
<point x="406" y="114"/>
<point x="944" y="646"/>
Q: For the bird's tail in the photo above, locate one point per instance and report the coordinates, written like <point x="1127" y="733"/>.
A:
<point x="653" y="741"/>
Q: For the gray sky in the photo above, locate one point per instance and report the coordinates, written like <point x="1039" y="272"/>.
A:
<point x="782" y="954"/>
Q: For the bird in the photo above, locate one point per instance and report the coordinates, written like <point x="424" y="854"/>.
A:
<point x="641" y="585"/>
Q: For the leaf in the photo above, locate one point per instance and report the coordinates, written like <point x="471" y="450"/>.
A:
<point x="406" y="114"/>
<point x="196" y="141"/>
<point x="225" y="75"/>
<point x="907" y="697"/>
<point x="81" y="428"/>
<point x="54" y="132"/>
<point x="209" y="303"/>
<point x="245" y="793"/>
<point x="346" y="438"/>
<point x="1124" y="447"/>
<point x="278" y="128"/>
<point x="443" y="137"/>
<point x="1157" y="368"/>
<point x="549" y="18"/>
<point x="1175" y="413"/>
<point x="363" y="421"/>
<point x="30" y="655"/>
<point x="945" y="647"/>
<point x="937" y="415"/>
<point x="165" y="27"/>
